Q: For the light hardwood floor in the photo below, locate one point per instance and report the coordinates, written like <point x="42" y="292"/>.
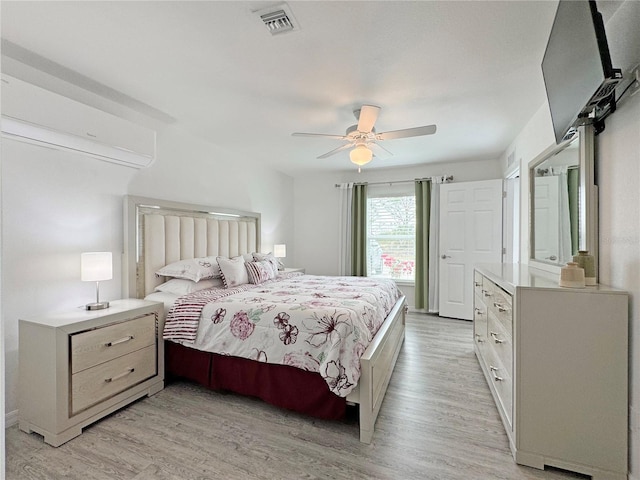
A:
<point x="438" y="421"/>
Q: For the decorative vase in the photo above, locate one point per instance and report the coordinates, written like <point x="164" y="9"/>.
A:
<point x="572" y="276"/>
<point x="588" y="263"/>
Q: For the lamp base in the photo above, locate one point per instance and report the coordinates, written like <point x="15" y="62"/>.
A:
<point x="97" y="306"/>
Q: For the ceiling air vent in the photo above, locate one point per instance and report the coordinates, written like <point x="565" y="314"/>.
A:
<point x="278" y="19"/>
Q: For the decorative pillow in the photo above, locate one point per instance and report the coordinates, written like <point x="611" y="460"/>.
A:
<point x="233" y="271"/>
<point x="259" y="257"/>
<point x="271" y="270"/>
<point x="259" y="272"/>
<point x="194" y="269"/>
<point x="182" y="286"/>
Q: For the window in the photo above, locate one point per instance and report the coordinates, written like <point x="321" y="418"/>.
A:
<point x="391" y="232"/>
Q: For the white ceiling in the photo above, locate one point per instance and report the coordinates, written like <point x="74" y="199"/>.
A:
<point x="471" y="67"/>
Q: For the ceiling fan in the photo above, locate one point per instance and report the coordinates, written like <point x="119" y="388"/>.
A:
<point x="362" y="138"/>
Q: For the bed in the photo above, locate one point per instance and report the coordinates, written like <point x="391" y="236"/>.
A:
<point x="158" y="233"/>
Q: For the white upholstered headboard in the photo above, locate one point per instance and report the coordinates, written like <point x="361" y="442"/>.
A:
<point x="160" y="232"/>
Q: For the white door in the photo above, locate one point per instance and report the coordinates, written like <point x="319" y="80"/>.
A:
<point x="470" y="233"/>
<point x="546" y="219"/>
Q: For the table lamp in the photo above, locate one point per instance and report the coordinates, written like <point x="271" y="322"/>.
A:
<point x="280" y="251"/>
<point x="95" y="267"/>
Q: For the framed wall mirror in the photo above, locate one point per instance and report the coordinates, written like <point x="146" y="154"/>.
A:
<point x="563" y="202"/>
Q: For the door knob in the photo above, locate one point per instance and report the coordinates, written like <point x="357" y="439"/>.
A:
<point x="443" y="256"/>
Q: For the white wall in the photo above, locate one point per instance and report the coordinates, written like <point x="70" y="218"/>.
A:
<point x="535" y="138"/>
<point x="58" y="204"/>
<point x="191" y="170"/>
<point x="55" y="206"/>
<point x="317" y="207"/>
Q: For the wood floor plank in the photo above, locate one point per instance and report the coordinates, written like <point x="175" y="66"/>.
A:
<point x="438" y="421"/>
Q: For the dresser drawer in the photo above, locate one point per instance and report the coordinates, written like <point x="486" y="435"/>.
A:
<point x="95" y="384"/>
<point x="486" y="292"/>
<point x="479" y="321"/>
<point x="504" y="389"/>
<point x="501" y="381"/>
<point x="477" y="283"/>
<point x="501" y="306"/>
<point x="501" y="342"/>
<point x="103" y="344"/>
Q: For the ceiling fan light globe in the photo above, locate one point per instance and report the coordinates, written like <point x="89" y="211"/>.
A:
<point x="360" y="155"/>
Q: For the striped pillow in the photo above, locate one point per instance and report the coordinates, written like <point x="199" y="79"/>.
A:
<point x="258" y="272"/>
<point x="268" y="257"/>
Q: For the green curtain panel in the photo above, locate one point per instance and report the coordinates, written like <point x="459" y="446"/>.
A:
<point x="359" y="231"/>
<point x="423" y="212"/>
<point x="573" y="179"/>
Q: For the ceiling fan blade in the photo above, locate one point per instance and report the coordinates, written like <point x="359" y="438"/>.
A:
<point x="407" y="132"/>
<point x="324" y="135"/>
<point x="379" y="151"/>
<point x="336" y="150"/>
<point x="367" y="118"/>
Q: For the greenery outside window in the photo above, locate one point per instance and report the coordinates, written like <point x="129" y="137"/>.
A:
<point x="391" y="234"/>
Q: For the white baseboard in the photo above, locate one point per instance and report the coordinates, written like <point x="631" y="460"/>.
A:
<point x="10" y="419"/>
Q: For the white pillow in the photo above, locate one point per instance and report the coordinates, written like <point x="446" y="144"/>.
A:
<point x="194" y="269"/>
<point x="268" y="257"/>
<point x="182" y="286"/>
<point x="233" y="271"/>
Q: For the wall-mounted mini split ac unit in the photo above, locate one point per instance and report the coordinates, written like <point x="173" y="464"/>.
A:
<point x="35" y="115"/>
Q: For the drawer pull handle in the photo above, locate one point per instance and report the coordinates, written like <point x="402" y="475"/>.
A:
<point x="494" y="370"/>
<point x="477" y="284"/>
<point x="486" y="293"/>
<point x="494" y="335"/>
<point x="479" y="338"/>
<point x="478" y="311"/>
<point x="121" y="340"/>
<point x="122" y="375"/>
<point x="501" y="308"/>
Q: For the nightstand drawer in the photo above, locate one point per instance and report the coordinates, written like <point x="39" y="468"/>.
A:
<point x="103" y="344"/>
<point x="95" y="384"/>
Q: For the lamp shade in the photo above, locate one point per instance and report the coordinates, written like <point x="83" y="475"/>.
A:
<point x="280" y="251"/>
<point x="96" y="266"/>
<point x="360" y="155"/>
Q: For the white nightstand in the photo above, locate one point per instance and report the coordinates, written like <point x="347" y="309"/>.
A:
<point x="78" y="366"/>
<point x="291" y="270"/>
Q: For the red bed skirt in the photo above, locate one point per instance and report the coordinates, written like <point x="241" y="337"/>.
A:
<point x="280" y="385"/>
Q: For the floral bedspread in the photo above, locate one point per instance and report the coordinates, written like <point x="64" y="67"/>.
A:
<point x="315" y="323"/>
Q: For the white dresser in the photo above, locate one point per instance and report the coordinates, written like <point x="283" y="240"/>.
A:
<point x="78" y="366"/>
<point x="556" y="361"/>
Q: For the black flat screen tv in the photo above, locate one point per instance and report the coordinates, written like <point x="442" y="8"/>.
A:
<point x="576" y="67"/>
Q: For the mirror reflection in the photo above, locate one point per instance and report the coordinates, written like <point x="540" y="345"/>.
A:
<point x="556" y="201"/>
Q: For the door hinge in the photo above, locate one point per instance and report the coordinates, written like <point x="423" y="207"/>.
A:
<point x="504" y="250"/>
<point x="504" y="194"/>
